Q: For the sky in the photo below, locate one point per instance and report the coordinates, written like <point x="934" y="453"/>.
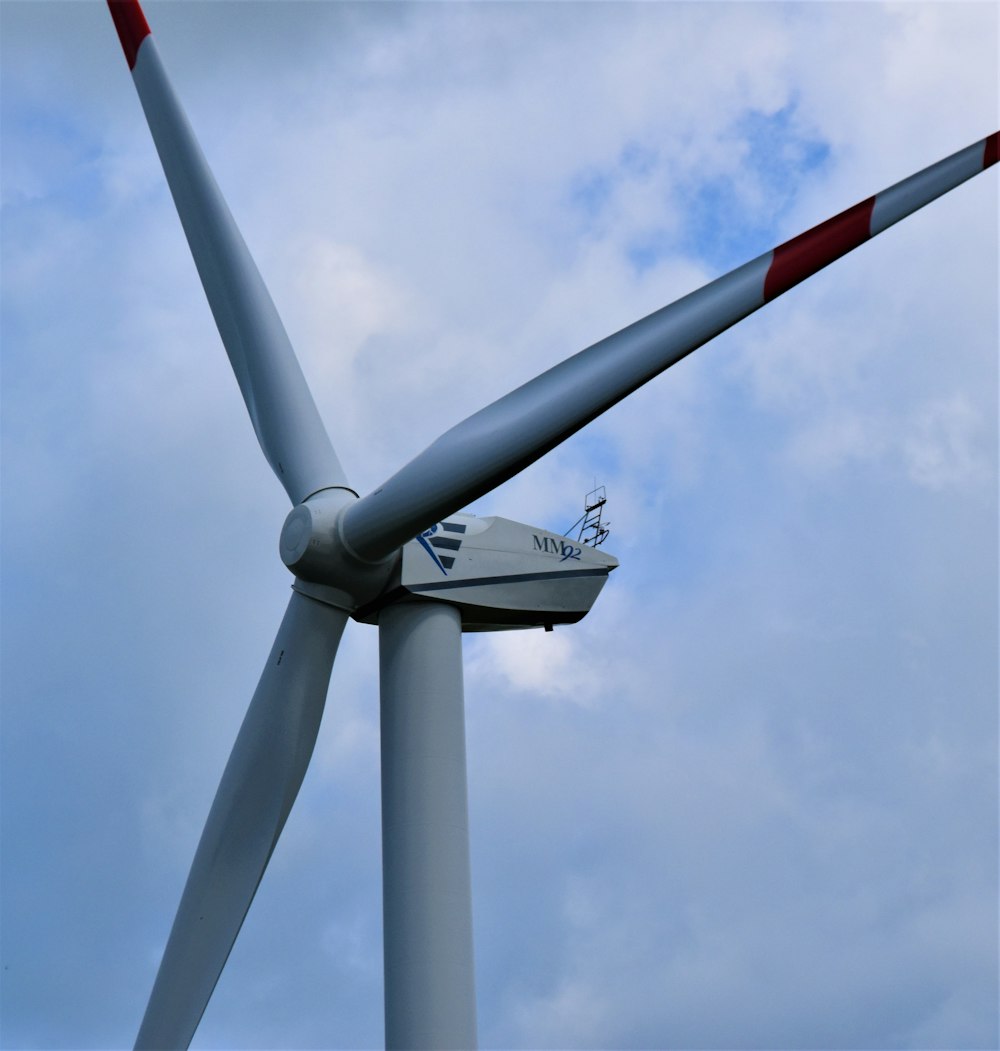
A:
<point x="751" y="800"/>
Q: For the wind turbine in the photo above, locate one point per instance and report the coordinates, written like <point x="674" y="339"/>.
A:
<point x="405" y="557"/>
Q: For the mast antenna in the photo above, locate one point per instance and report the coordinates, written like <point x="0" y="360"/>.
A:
<point x="589" y="527"/>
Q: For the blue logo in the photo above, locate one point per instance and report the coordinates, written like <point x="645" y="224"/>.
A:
<point x="434" y="544"/>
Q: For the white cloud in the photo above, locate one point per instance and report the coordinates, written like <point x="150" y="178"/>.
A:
<point x="552" y="665"/>
<point x="946" y="445"/>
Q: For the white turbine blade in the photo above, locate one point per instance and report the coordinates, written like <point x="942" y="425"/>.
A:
<point x="282" y="410"/>
<point x="258" y="788"/>
<point x="499" y="441"/>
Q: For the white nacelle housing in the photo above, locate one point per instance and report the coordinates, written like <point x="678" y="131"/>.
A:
<point x="500" y="574"/>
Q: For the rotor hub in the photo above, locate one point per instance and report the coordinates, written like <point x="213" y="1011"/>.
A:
<point x="312" y="546"/>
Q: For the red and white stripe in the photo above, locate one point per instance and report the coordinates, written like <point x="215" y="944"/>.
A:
<point x="803" y="255"/>
<point x="131" y="25"/>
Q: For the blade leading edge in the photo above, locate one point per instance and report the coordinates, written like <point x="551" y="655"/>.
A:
<point x="282" y="410"/>
<point x="497" y="442"/>
<point x="258" y="788"/>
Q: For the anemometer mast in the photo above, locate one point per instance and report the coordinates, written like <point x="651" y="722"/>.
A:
<point x="590" y="528"/>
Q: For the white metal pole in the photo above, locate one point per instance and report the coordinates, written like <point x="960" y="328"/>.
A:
<point x="426" y="895"/>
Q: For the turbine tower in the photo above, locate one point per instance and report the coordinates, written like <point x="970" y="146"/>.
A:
<point x="405" y="557"/>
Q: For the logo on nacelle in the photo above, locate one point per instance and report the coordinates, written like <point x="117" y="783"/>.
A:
<point x="432" y="543"/>
<point x="553" y="546"/>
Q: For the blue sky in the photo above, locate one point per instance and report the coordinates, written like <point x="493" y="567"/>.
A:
<point x="751" y="800"/>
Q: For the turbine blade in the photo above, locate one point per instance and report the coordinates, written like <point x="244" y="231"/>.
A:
<point x="499" y="441"/>
<point x="258" y="788"/>
<point x="281" y="408"/>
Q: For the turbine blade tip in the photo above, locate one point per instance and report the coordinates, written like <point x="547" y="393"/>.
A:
<point x="991" y="153"/>
<point x="131" y="25"/>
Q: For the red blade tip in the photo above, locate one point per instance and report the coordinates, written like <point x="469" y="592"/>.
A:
<point x="131" y="25"/>
<point x="991" y="150"/>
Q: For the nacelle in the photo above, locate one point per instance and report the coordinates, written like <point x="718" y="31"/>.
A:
<point x="500" y="574"/>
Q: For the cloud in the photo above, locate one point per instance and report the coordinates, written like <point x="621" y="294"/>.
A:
<point x="946" y="446"/>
